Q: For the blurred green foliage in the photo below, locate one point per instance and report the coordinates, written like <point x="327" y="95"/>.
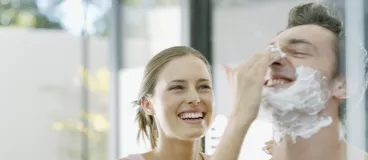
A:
<point x="24" y="13"/>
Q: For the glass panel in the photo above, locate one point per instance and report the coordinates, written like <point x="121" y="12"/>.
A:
<point x="149" y="27"/>
<point x="242" y="28"/>
<point x="239" y="35"/>
<point x="42" y="65"/>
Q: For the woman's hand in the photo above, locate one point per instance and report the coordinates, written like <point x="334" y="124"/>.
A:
<point x="268" y="147"/>
<point x="246" y="82"/>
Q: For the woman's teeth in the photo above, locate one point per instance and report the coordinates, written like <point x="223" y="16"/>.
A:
<point x="191" y="115"/>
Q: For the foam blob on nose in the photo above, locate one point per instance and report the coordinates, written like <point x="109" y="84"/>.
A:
<point x="272" y="49"/>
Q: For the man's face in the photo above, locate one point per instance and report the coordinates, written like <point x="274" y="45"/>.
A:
<point x="307" y="76"/>
<point x="307" y="45"/>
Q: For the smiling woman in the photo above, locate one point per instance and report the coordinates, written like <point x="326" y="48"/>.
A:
<point x="175" y="101"/>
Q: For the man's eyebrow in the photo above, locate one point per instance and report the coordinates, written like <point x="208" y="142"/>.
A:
<point x="294" y="41"/>
<point x="272" y="43"/>
<point x="299" y="41"/>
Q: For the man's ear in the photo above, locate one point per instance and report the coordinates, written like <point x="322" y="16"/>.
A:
<point x="147" y="106"/>
<point x="339" y="88"/>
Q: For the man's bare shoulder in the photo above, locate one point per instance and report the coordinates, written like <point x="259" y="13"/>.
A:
<point x="356" y="153"/>
<point x="365" y="155"/>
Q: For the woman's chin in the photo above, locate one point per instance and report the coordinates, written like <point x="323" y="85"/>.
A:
<point x="194" y="134"/>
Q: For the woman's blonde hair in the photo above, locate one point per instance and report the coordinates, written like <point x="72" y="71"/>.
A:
<point x="147" y="126"/>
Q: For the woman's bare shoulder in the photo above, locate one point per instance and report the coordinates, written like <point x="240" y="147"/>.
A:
<point x="139" y="156"/>
<point x="365" y="155"/>
<point x="206" y="156"/>
<point x="133" y="157"/>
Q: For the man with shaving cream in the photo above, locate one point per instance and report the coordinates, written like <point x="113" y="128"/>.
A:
<point x="304" y="90"/>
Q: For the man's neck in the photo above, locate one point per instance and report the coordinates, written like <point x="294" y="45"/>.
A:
<point x="324" y="145"/>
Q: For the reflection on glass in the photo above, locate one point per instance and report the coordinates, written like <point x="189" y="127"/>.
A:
<point x="97" y="84"/>
<point x="131" y="79"/>
<point x="77" y="15"/>
<point x="42" y="64"/>
<point x="149" y="27"/>
<point x="214" y="133"/>
<point x="24" y="13"/>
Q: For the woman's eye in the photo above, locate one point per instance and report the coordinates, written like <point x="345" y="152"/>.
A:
<point x="205" y="87"/>
<point x="176" y="87"/>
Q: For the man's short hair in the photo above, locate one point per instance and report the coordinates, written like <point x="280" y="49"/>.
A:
<point x="319" y="14"/>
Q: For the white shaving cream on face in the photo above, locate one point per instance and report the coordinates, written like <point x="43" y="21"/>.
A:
<point x="295" y="111"/>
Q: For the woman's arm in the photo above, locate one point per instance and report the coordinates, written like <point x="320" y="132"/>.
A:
<point x="232" y="140"/>
<point x="246" y="83"/>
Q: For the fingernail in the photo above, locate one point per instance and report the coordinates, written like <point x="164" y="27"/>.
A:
<point x="266" y="150"/>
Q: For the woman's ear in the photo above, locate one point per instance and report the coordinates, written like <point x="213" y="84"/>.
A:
<point x="339" y="88"/>
<point x="147" y="106"/>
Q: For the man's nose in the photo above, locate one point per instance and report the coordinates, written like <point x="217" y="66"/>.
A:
<point x="283" y="66"/>
<point x="280" y="63"/>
